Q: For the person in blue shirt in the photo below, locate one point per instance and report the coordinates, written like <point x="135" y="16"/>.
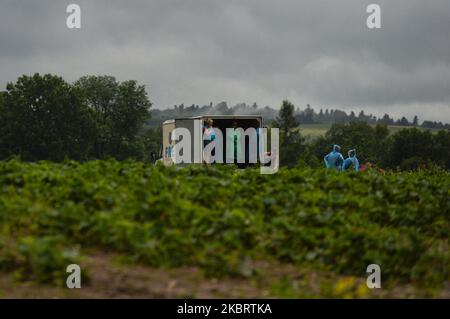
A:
<point x="334" y="160"/>
<point x="209" y="135"/>
<point x="351" y="160"/>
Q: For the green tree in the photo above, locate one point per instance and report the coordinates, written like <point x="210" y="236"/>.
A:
<point x="43" y="117"/>
<point x="380" y="144"/>
<point x="409" y="143"/>
<point x="370" y="142"/>
<point x="286" y="120"/>
<point x="291" y="142"/>
<point x="441" y="148"/>
<point x="386" y="120"/>
<point x="151" y="141"/>
<point x="120" y="110"/>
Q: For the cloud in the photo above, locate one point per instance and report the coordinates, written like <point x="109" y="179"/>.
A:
<point x="196" y="51"/>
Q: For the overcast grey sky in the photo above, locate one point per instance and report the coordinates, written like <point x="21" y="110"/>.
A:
<point x="199" y="51"/>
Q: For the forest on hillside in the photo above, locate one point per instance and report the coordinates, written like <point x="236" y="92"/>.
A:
<point x="303" y="116"/>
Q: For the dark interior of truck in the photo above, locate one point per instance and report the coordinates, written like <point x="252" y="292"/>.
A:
<point x="223" y="124"/>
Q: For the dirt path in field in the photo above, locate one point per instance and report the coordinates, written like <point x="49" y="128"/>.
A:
<point x="112" y="279"/>
<point x="108" y="278"/>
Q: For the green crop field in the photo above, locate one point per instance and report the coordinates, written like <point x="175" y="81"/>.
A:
<point x="142" y="230"/>
<point x="316" y="130"/>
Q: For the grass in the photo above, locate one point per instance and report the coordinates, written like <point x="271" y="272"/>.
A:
<point x="315" y="130"/>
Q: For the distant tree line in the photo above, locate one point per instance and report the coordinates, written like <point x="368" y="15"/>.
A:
<point x="306" y="116"/>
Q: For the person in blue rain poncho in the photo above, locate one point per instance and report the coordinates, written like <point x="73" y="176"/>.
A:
<point x="334" y="160"/>
<point x="350" y="161"/>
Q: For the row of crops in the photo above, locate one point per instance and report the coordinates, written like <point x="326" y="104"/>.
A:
<point x="218" y="218"/>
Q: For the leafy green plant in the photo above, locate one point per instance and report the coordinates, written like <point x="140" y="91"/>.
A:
<point x="219" y="218"/>
<point x="43" y="260"/>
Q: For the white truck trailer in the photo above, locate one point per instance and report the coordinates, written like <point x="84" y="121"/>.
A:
<point x="195" y="126"/>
